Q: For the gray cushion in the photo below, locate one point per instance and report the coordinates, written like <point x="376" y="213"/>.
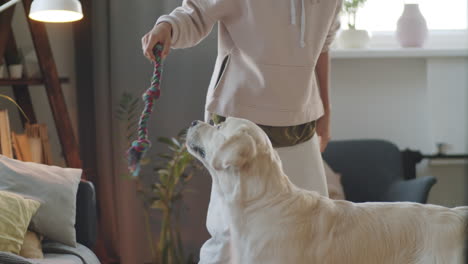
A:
<point x="54" y="187"/>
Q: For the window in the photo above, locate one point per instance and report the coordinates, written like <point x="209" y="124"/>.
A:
<point x="382" y="15"/>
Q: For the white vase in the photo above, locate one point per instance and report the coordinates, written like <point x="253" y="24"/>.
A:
<point x="353" y="39"/>
<point x="412" y="27"/>
<point x="16" y="71"/>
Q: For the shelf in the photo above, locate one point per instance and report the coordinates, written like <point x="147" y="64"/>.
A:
<point x="450" y="159"/>
<point x="29" y="81"/>
<point x="381" y="53"/>
<point x="445" y="162"/>
<point x="446" y="156"/>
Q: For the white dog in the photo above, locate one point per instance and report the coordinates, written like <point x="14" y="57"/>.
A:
<point x="273" y="221"/>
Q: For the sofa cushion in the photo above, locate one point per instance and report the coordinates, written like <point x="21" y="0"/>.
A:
<point x="32" y="247"/>
<point x="54" y="187"/>
<point x="15" y="217"/>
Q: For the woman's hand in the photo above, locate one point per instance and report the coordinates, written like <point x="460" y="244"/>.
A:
<point x="161" y="33"/>
<point x="323" y="130"/>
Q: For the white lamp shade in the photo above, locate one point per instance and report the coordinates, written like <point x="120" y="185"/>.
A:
<point x="56" y="11"/>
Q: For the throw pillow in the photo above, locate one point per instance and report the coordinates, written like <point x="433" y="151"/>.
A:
<point x="32" y="247"/>
<point x="15" y="217"/>
<point x="54" y="187"/>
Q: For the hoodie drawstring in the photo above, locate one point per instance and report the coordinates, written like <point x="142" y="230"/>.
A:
<point x="303" y="25"/>
<point x="293" y="13"/>
<point x="293" y="20"/>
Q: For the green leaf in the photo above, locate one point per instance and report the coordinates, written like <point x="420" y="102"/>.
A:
<point x="163" y="177"/>
<point x="158" y="204"/>
<point x="173" y="148"/>
<point x="165" y="156"/>
<point x="167" y="141"/>
<point x="145" y="161"/>
<point x="120" y="113"/>
<point x="123" y="106"/>
<point x="132" y="124"/>
<point x="176" y="142"/>
<point x="126" y="176"/>
<point x="163" y="172"/>
<point x="134" y="103"/>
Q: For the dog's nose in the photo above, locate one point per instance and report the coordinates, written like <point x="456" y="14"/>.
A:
<point x="194" y="123"/>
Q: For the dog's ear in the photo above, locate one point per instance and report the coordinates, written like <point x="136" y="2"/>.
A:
<point x="235" y="152"/>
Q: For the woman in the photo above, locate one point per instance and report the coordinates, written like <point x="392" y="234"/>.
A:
<point x="273" y="69"/>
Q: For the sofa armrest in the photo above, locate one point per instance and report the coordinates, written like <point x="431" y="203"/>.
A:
<point x="414" y="190"/>
<point x="86" y="214"/>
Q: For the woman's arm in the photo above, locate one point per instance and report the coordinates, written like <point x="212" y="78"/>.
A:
<point x="322" y="70"/>
<point x="191" y="22"/>
<point x="184" y="27"/>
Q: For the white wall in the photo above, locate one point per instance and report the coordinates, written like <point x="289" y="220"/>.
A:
<point x="413" y="103"/>
<point x="62" y="45"/>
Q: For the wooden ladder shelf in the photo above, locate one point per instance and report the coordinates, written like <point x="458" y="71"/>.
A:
<point x="50" y="80"/>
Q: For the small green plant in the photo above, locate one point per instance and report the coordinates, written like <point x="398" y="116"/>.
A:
<point x="17" y="106"/>
<point x="351" y="7"/>
<point x="171" y="176"/>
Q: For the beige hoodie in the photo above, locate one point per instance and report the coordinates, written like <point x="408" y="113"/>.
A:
<point x="267" y="52"/>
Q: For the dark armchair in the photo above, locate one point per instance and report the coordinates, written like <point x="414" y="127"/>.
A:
<point x="86" y="214"/>
<point x="372" y="171"/>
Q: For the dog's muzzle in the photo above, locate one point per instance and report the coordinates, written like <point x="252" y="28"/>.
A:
<point x="191" y="137"/>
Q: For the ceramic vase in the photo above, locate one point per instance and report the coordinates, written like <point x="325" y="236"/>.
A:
<point x="353" y="39"/>
<point x="411" y="27"/>
<point x="16" y="71"/>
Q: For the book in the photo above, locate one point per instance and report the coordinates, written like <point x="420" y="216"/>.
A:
<point x="39" y="142"/>
<point x="6" y="148"/>
<point x="36" y="149"/>
<point x="21" y="146"/>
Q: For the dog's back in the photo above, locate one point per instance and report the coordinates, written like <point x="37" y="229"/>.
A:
<point x="314" y="229"/>
<point x="445" y="235"/>
<point x="389" y="233"/>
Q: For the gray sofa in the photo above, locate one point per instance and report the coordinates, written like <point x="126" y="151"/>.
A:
<point x="86" y="225"/>
<point x="372" y="171"/>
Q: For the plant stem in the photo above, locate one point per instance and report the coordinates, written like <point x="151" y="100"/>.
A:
<point x="354" y="20"/>
<point x="149" y="234"/>
<point x="165" y="236"/>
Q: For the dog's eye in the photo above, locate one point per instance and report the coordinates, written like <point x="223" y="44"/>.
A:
<point x="218" y="127"/>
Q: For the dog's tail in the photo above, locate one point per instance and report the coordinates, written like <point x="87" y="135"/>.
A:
<point x="463" y="212"/>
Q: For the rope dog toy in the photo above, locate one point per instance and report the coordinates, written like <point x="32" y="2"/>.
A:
<point x="139" y="147"/>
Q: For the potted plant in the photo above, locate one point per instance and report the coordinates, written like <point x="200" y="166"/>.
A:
<point x="353" y="37"/>
<point x="16" y="66"/>
<point x="166" y="191"/>
<point x="8" y="98"/>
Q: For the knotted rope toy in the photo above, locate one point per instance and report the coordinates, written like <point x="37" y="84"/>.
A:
<point x="140" y="146"/>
